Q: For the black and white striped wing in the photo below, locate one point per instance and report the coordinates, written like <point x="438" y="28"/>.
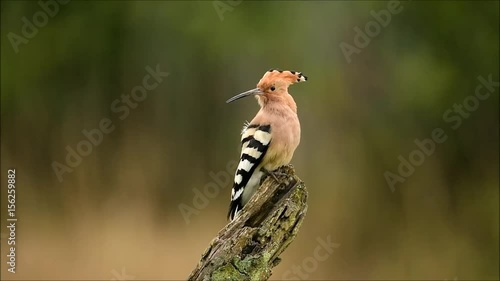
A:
<point x="255" y="141"/>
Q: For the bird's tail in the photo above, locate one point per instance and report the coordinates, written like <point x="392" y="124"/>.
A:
<point x="234" y="208"/>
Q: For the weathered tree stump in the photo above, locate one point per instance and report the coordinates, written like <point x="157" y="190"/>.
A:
<point x="249" y="247"/>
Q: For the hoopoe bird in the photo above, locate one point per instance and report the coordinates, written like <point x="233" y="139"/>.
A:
<point x="270" y="139"/>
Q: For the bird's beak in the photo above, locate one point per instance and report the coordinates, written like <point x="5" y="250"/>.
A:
<point x="253" y="92"/>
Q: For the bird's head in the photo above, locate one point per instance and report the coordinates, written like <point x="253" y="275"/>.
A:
<point x="273" y="86"/>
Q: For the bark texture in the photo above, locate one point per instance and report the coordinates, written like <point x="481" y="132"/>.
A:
<point x="249" y="247"/>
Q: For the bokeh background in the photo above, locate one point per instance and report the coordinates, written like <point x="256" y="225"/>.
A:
<point x="117" y="214"/>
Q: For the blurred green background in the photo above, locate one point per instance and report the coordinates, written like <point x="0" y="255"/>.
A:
<point x="117" y="213"/>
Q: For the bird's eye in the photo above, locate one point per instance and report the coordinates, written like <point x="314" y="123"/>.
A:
<point x="273" y="88"/>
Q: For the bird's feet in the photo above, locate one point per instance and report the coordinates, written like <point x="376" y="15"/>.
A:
<point x="274" y="173"/>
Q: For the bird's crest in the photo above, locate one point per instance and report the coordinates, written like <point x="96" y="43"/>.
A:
<point x="284" y="76"/>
